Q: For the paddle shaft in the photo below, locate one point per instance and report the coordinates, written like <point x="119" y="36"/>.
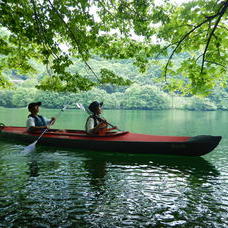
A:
<point x="102" y="120"/>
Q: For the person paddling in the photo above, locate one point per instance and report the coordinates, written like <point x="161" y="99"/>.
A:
<point x="37" y="122"/>
<point x="95" y="124"/>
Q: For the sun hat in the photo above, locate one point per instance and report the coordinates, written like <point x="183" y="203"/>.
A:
<point x="31" y="105"/>
<point x="93" y="106"/>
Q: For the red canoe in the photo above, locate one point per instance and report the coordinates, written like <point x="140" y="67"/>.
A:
<point x="121" y="141"/>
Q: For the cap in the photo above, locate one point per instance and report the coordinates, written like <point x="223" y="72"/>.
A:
<point x="31" y="105"/>
<point x="94" y="105"/>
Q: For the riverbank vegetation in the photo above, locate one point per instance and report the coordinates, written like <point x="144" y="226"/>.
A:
<point x="135" y="97"/>
<point x="145" y="92"/>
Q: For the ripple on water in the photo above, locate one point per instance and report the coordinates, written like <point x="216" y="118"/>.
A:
<point x="70" y="188"/>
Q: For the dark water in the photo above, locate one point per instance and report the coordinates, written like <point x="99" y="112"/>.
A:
<point x="52" y="187"/>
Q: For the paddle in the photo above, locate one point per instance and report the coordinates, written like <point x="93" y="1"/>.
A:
<point x="32" y="146"/>
<point x="81" y="106"/>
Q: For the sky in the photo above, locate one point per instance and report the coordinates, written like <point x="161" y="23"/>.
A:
<point x="174" y="1"/>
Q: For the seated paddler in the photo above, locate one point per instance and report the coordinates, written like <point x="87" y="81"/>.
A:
<point x="37" y="122"/>
<point x="95" y="124"/>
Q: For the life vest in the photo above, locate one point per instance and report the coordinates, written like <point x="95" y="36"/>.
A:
<point x="97" y="119"/>
<point x="39" y="120"/>
<point x="94" y="118"/>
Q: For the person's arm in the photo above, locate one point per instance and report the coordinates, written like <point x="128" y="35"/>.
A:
<point x="89" y="125"/>
<point x="104" y="124"/>
<point x="49" y="121"/>
<point x="30" y="122"/>
<point x="99" y="126"/>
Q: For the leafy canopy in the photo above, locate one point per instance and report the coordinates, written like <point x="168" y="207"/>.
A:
<point x="141" y="30"/>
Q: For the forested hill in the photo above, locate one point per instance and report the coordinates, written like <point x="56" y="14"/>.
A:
<point x="146" y="91"/>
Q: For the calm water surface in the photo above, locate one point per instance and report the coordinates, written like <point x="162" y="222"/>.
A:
<point x="54" y="187"/>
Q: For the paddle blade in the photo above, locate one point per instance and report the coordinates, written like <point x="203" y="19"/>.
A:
<point x="30" y="148"/>
<point x="64" y="108"/>
<point x="80" y="106"/>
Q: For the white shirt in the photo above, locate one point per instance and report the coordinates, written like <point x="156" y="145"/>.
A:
<point x="90" y="124"/>
<point x="31" y="122"/>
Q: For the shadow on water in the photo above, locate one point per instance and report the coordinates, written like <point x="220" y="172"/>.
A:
<point x="33" y="168"/>
<point x="185" y="164"/>
<point x="98" y="163"/>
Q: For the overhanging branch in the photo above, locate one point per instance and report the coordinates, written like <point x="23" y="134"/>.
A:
<point x="42" y="31"/>
<point x="180" y="41"/>
<point x="219" y="14"/>
<point x="75" y="40"/>
<point x="212" y="62"/>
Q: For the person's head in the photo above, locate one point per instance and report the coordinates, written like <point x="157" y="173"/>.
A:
<point x="34" y="107"/>
<point x="95" y="107"/>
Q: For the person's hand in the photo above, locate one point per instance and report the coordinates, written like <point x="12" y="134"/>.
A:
<point x="102" y="125"/>
<point x="53" y="119"/>
<point x="62" y="130"/>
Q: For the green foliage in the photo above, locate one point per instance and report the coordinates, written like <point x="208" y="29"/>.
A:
<point x="115" y="30"/>
<point x="23" y="97"/>
<point x="66" y="82"/>
<point x="6" y="98"/>
<point x="108" y="76"/>
<point x="199" y="28"/>
<point x="220" y="98"/>
<point x="4" y="83"/>
<point x="145" y="97"/>
<point x="199" y="104"/>
<point x="17" y="98"/>
<point x="135" y="97"/>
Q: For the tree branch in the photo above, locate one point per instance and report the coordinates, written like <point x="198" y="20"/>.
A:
<point x="198" y="57"/>
<point x="180" y="41"/>
<point x="104" y="7"/>
<point x="166" y="47"/>
<point x="42" y="30"/>
<point x="171" y="43"/>
<point x="75" y="39"/>
<point x="220" y="26"/>
<point x="219" y="64"/>
<point x="220" y="14"/>
<point x="217" y="44"/>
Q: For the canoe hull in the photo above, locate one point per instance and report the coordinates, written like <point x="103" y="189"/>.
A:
<point x="191" y="146"/>
<point x="196" y="148"/>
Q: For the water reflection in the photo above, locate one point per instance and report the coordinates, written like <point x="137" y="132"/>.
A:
<point x="33" y="168"/>
<point x="197" y="166"/>
<point x="97" y="170"/>
<point x="168" y="188"/>
<point x="53" y="187"/>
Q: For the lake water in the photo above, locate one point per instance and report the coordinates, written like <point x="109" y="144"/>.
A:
<point x="54" y="187"/>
